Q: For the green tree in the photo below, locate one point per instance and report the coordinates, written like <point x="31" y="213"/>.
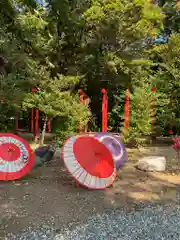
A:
<point x="172" y="11"/>
<point x="30" y="57"/>
<point x="116" y="33"/>
<point x="107" y="44"/>
<point x="167" y="78"/>
<point x="54" y="100"/>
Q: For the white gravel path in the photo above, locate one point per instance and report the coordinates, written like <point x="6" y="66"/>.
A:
<point x="149" y="223"/>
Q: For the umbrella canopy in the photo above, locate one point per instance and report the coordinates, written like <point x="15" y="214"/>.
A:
<point x="89" y="162"/>
<point x="16" y="157"/>
<point x="115" y="146"/>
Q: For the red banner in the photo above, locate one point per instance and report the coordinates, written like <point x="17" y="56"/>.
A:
<point x="104" y="110"/>
<point x="127" y="110"/>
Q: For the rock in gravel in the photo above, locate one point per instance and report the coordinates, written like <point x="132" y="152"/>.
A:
<point x="152" y="164"/>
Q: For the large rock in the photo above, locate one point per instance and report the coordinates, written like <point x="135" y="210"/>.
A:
<point x="43" y="154"/>
<point x="152" y="163"/>
<point x="41" y="151"/>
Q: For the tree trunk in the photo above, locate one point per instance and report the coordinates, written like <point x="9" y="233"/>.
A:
<point x="43" y="132"/>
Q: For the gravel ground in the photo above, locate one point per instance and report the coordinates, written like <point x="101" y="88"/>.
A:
<point x="155" y="222"/>
<point x="48" y="205"/>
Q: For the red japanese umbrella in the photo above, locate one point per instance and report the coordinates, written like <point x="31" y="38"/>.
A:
<point x="89" y="162"/>
<point x="16" y="157"/>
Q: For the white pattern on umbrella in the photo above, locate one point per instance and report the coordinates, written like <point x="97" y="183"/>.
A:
<point x="18" y="164"/>
<point x="79" y="173"/>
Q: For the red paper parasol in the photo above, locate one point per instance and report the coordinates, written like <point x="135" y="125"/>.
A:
<point x="89" y="162"/>
<point x="16" y="157"/>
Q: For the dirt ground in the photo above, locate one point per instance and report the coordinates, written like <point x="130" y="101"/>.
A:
<point x="48" y="196"/>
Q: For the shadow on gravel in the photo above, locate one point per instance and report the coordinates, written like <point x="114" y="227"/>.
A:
<point x="49" y="197"/>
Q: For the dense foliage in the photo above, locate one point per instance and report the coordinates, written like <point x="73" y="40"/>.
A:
<point x="60" y="46"/>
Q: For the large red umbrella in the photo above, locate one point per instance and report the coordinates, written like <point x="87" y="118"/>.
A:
<point x="16" y="157"/>
<point x="89" y="162"/>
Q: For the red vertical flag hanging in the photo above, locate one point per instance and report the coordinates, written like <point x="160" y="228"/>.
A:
<point x="104" y="110"/>
<point x="87" y="103"/>
<point x="80" y="115"/>
<point x="37" y="121"/>
<point x="49" y="126"/>
<point x="127" y="109"/>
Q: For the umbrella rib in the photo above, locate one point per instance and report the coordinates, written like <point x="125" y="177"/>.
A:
<point x="78" y="172"/>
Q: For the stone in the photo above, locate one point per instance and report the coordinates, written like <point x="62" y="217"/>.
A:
<point x="41" y="151"/>
<point x="43" y="155"/>
<point x="152" y="164"/>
